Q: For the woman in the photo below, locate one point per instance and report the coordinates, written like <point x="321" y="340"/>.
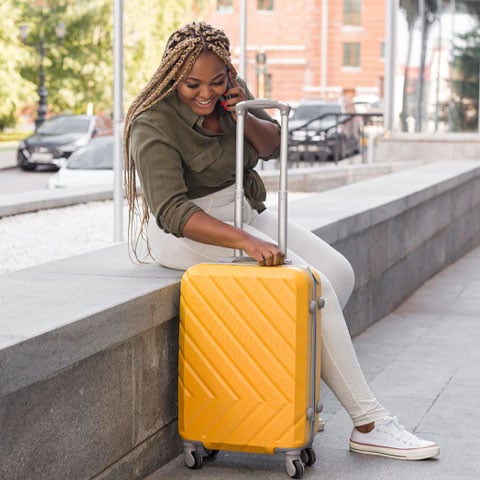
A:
<point x="180" y="139"/>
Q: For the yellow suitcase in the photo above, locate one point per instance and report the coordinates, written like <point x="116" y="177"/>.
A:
<point x="249" y="355"/>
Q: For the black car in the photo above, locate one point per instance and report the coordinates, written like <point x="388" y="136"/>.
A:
<point x="58" y="137"/>
<point x="324" y="129"/>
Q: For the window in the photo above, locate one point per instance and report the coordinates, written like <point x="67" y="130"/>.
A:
<point x="351" y="55"/>
<point x="225" y="6"/>
<point x="352" y="12"/>
<point x="382" y="50"/>
<point x="265" y="5"/>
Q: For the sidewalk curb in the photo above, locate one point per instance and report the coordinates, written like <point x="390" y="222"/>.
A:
<point x="24" y="202"/>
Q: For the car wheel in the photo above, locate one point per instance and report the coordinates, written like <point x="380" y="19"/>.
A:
<point x="28" y="167"/>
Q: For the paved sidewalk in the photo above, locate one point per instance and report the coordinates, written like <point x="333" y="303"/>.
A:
<point x="423" y="363"/>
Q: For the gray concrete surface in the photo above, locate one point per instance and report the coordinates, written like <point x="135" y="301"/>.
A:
<point x="302" y="178"/>
<point x="98" y="364"/>
<point x="24" y="202"/>
<point x="8" y="155"/>
<point x="430" y="147"/>
<point x="423" y="363"/>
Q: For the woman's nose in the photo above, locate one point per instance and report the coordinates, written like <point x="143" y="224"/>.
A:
<point x="205" y="91"/>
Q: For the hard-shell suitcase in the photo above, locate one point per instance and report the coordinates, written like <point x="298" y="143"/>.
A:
<point x="249" y="347"/>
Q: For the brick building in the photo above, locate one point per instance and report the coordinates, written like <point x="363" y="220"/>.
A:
<point x="312" y="48"/>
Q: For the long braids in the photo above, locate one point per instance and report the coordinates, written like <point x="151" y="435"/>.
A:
<point x="181" y="52"/>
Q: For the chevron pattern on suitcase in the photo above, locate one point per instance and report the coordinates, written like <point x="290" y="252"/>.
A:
<point x="244" y="359"/>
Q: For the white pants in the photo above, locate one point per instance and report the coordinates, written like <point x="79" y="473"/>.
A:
<point x="340" y="368"/>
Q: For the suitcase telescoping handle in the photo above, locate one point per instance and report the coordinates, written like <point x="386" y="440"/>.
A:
<point x="241" y="109"/>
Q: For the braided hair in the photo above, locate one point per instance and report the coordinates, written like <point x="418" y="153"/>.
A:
<point x="181" y="52"/>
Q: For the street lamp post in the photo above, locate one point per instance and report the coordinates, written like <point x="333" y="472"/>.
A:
<point x="41" y="48"/>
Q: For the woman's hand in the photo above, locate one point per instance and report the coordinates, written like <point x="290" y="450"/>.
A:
<point x="262" y="134"/>
<point x="265" y="253"/>
<point x="201" y="227"/>
<point x="233" y="95"/>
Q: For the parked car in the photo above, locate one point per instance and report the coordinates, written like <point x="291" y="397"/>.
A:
<point x="89" y="165"/>
<point x="58" y="137"/>
<point x="319" y="127"/>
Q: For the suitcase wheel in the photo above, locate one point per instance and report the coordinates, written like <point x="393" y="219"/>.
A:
<point x="295" y="468"/>
<point x="308" y="456"/>
<point x="211" y="453"/>
<point x="193" y="459"/>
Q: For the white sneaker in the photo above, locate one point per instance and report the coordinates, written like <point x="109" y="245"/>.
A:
<point x="321" y="424"/>
<point x="390" y="439"/>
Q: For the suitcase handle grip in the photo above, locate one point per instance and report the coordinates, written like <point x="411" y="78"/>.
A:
<point x="241" y="109"/>
<point x="263" y="103"/>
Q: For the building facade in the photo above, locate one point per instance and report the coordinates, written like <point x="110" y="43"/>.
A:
<point x="307" y="48"/>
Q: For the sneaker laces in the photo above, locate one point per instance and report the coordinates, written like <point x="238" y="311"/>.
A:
<point x="391" y="426"/>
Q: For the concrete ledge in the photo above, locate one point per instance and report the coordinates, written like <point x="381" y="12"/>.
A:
<point x="16" y="203"/>
<point x="88" y="345"/>
<point x="318" y="179"/>
<point x="304" y="179"/>
<point x="432" y="147"/>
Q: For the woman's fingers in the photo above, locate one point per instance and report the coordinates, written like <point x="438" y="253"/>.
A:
<point x="272" y="258"/>
<point x="265" y="253"/>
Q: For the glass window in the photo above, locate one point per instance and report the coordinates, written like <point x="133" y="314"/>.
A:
<point x="225" y="6"/>
<point x="437" y="56"/>
<point x="265" y="5"/>
<point x="352" y="12"/>
<point x="68" y="124"/>
<point x="351" y="55"/>
<point x="97" y="155"/>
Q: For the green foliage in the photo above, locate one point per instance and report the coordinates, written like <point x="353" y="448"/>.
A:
<point x="15" y="91"/>
<point x="147" y="26"/>
<point x="465" y="82"/>
<point x="79" y="69"/>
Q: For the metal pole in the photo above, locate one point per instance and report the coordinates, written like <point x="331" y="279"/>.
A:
<point x="42" y="89"/>
<point x="323" y="81"/>
<point x="118" y="120"/>
<point x="389" y="75"/>
<point x="242" y="70"/>
<point x="478" y="106"/>
<point x="439" y="62"/>
<point x="419" y="101"/>
<point x="451" y="103"/>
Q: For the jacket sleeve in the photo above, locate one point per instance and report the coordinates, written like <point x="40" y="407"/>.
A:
<point x="160" y="171"/>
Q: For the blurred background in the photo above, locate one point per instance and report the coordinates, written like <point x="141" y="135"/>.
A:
<point x="56" y="56"/>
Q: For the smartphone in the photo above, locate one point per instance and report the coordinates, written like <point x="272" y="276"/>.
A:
<point x="229" y="85"/>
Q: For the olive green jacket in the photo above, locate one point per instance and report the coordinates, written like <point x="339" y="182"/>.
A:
<point x="178" y="160"/>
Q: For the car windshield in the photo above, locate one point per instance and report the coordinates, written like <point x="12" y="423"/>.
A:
<point x="59" y="125"/>
<point x="308" y="112"/>
<point x="95" y="156"/>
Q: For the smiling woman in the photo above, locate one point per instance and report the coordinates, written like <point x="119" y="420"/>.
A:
<point x="180" y="136"/>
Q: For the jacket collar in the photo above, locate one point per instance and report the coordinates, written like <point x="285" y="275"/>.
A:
<point x="185" y="112"/>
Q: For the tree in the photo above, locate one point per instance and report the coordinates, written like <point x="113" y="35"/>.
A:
<point x="424" y="13"/>
<point x="466" y="81"/>
<point x="79" y="70"/>
<point x="427" y="13"/>
<point x="410" y="10"/>
<point x="15" y="91"/>
<point x="148" y="24"/>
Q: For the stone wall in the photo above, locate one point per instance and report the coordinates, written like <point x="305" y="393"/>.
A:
<point x="431" y="147"/>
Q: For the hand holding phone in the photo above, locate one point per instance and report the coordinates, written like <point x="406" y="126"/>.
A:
<point x="224" y="98"/>
<point x="229" y="85"/>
